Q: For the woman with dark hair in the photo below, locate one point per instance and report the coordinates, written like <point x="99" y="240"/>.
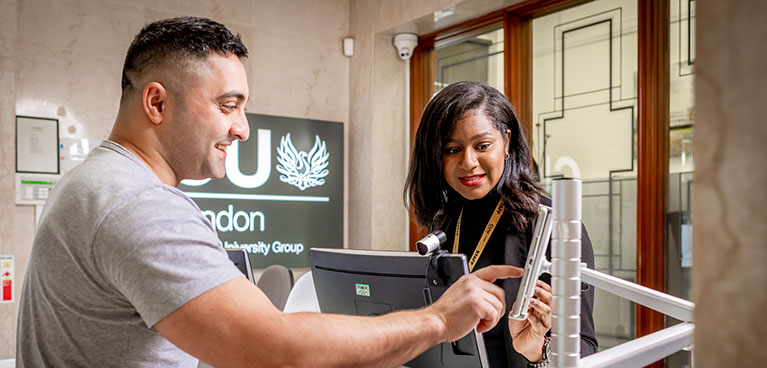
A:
<point x="470" y="177"/>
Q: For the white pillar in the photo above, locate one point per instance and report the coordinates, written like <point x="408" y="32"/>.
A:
<point x="566" y="273"/>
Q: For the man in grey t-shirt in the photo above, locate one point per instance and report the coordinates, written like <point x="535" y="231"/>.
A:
<point x="116" y="251"/>
<point x="126" y="271"/>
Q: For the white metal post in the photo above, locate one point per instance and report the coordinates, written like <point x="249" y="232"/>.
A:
<point x="566" y="273"/>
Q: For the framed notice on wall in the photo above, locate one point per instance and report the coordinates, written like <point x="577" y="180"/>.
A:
<point x="37" y="145"/>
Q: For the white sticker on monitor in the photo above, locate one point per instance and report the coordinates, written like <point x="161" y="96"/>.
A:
<point x="362" y="289"/>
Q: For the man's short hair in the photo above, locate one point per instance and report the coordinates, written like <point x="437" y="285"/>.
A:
<point x="173" y="43"/>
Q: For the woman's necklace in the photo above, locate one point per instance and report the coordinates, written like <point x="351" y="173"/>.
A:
<point x="485" y="235"/>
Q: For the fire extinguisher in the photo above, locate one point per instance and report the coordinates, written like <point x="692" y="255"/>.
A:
<point x="7" y="295"/>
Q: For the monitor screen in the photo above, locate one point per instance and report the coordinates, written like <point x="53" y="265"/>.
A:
<point x="240" y="259"/>
<point x="371" y="283"/>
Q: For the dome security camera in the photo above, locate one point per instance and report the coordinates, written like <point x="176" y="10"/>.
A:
<point x="405" y="43"/>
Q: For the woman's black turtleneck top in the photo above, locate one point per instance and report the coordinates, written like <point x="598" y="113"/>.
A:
<point x="508" y="246"/>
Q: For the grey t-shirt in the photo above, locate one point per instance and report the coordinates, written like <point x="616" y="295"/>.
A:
<point x="116" y="251"/>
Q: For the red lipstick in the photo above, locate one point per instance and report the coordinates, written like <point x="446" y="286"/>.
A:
<point x="471" y="181"/>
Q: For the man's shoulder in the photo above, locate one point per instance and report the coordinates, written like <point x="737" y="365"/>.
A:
<point x="111" y="162"/>
<point x="170" y="200"/>
<point x="109" y="171"/>
<point x="108" y="179"/>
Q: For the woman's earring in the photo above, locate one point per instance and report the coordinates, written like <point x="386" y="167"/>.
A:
<point x="506" y="156"/>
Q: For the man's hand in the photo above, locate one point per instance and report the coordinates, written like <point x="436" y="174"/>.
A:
<point x="235" y="325"/>
<point x="473" y="301"/>
<point x="528" y="335"/>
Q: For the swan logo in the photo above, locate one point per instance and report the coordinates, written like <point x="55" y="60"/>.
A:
<point x="301" y="169"/>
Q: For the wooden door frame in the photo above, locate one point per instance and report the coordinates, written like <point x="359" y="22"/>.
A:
<point x="652" y="135"/>
<point x="652" y="119"/>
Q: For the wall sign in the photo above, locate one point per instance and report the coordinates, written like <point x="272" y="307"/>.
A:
<point x="282" y="193"/>
<point x="37" y="145"/>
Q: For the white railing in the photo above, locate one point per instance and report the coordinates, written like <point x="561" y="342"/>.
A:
<point x="567" y="273"/>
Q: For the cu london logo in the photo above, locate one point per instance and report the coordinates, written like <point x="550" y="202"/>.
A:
<point x="301" y="169"/>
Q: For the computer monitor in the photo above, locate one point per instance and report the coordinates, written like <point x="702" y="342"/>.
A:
<point x="371" y="283"/>
<point x="239" y="257"/>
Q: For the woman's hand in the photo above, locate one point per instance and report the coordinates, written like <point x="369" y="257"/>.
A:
<point x="528" y="335"/>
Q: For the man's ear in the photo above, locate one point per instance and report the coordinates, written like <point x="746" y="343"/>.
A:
<point x="154" y="100"/>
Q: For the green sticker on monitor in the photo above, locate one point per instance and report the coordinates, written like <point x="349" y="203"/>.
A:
<point x="362" y="289"/>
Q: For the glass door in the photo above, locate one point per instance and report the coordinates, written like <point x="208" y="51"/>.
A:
<point x="584" y="125"/>
<point x="679" y="221"/>
<point x="477" y="57"/>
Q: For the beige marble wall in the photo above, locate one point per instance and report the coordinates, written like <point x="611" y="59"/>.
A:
<point x="378" y="129"/>
<point x="62" y="59"/>
<point x="8" y="32"/>
<point x="729" y="196"/>
<point x="72" y="52"/>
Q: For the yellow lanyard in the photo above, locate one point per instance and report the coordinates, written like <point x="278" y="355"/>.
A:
<point x="485" y="235"/>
